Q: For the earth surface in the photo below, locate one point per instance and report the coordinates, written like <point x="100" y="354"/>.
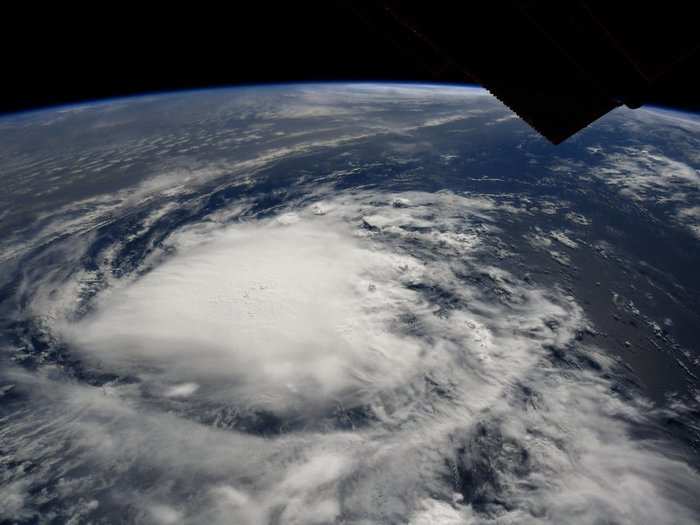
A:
<point x="347" y="303"/>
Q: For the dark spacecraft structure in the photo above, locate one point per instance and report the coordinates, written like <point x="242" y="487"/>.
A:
<point x="558" y="65"/>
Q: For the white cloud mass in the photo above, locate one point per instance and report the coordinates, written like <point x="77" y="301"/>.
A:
<point x="283" y="314"/>
<point x="475" y="407"/>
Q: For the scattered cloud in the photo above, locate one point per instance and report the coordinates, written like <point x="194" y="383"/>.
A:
<point x="647" y="176"/>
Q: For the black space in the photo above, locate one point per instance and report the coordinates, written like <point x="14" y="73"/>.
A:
<point x="57" y="55"/>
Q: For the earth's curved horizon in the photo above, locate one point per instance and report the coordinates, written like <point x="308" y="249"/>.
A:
<point x="347" y="303"/>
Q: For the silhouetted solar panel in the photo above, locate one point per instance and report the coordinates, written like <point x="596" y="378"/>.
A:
<point x="558" y="65"/>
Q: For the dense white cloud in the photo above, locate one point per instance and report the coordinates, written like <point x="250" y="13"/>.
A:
<point x="286" y="313"/>
<point x="477" y="405"/>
